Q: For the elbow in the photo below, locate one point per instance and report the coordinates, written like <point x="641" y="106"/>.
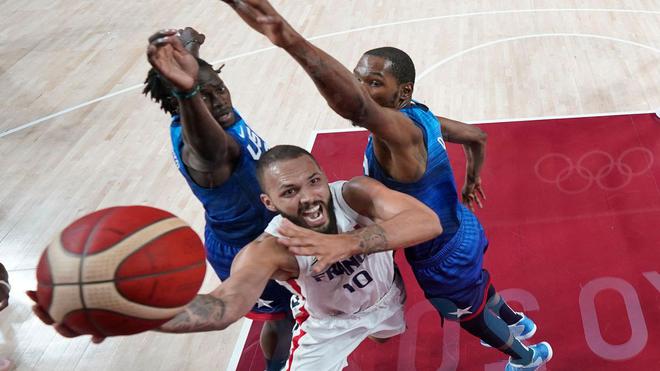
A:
<point x="435" y="225"/>
<point x="438" y="225"/>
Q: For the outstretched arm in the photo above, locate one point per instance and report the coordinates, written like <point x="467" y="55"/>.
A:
<point x="251" y="270"/>
<point x="338" y="85"/>
<point x="210" y="148"/>
<point x="401" y="221"/>
<point x="473" y="141"/>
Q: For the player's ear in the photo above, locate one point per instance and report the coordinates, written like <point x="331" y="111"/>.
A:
<point x="267" y="202"/>
<point x="406" y="90"/>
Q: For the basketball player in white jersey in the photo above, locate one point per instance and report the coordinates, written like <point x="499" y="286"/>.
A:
<point x="336" y="309"/>
<point x="355" y="298"/>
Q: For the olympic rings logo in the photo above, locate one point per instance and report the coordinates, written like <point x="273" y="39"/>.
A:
<point x="592" y="167"/>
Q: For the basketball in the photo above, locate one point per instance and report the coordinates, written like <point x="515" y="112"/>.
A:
<point x="120" y="271"/>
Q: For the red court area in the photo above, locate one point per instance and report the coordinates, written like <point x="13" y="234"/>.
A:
<point x="573" y="219"/>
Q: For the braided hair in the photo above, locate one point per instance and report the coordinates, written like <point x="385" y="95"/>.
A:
<point x="159" y="89"/>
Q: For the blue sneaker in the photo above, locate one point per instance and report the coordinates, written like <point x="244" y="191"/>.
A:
<point x="522" y="330"/>
<point x="542" y="354"/>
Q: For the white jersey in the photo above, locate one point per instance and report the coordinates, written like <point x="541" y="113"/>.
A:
<point x="348" y="286"/>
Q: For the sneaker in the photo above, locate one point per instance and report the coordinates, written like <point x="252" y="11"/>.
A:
<point x="542" y="354"/>
<point x="524" y="329"/>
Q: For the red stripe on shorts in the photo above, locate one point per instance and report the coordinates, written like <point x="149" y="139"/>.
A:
<point x="300" y="319"/>
<point x="483" y="303"/>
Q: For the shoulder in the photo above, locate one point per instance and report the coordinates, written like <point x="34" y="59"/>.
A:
<point x="360" y="185"/>
<point x="359" y="192"/>
<point x="271" y="228"/>
<point x="418" y="112"/>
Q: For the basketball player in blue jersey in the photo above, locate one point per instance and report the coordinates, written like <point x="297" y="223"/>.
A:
<point x="406" y="152"/>
<point x="216" y="152"/>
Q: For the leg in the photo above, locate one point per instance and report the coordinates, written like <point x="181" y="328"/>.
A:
<point x="275" y="341"/>
<point x="495" y="332"/>
<point x="497" y="304"/>
<point x="273" y="307"/>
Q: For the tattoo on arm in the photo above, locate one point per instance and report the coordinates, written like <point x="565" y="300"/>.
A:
<point x="372" y="239"/>
<point x="204" y="313"/>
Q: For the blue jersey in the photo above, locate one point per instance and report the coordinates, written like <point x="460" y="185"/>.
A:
<point x="233" y="210"/>
<point x="436" y="188"/>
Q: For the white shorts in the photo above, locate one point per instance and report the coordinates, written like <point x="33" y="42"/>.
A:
<point x="325" y="343"/>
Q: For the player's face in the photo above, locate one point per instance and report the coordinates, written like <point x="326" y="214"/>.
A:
<point x="299" y="190"/>
<point x="216" y="96"/>
<point x="374" y="74"/>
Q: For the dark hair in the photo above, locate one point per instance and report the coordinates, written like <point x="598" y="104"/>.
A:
<point x="402" y="67"/>
<point x="276" y="154"/>
<point x="160" y="90"/>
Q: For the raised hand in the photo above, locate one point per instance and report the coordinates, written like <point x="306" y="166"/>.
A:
<point x="328" y="249"/>
<point x="263" y="18"/>
<point x="61" y="328"/>
<point x="473" y="193"/>
<point x="170" y="58"/>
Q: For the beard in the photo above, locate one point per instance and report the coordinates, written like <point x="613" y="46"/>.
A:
<point x="329" y="228"/>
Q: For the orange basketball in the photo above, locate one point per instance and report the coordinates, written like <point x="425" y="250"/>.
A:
<point x="120" y="271"/>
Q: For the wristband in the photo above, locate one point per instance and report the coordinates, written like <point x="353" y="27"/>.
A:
<point x="186" y="94"/>
<point x="5" y="283"/>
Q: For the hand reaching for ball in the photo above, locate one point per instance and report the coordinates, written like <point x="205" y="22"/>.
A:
<point x="62" y="329"/>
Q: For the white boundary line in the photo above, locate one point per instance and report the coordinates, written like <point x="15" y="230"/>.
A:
<point x="60" y="113"/>
<point x="586" y="115"/>
<point x="530" y="36"/>
<point x="315" y="133"/>
<point x="359" y="29"/>
<point x="240" y="344"/>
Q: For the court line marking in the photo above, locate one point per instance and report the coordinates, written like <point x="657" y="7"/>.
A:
<point x="530" y="36"/>
<point x="240" y="344"/>
<point x="359" y="29"/>
<point x="315" y="133"/>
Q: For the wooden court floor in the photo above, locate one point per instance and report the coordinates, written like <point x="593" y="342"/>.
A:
<point x="77" y="135"/>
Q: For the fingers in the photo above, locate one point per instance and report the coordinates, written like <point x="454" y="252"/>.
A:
<point x="65" y="331"/>
<point x="162" y="33"/>
<point x="302" y="251"/>
<point x="481" y="192"/>
<point x="288" y="229"/>
<point x="4" y="304"/>
<point x="319" y="267"/>
<point x="61" y="328"/>
<point x="32" y="295"/>
<point x="295" y="242"/>
<point x="42" y="314"/>
<point x="478" y="201"/>
<point x="163" y="38"/>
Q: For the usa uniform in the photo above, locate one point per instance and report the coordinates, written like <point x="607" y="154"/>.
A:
<point x="448" y="268"/>
<point x="337" y="309"/>
<point x="234" y="213"/>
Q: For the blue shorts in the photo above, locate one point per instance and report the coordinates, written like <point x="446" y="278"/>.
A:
<point x="453" y="280"/>
<point x="274" y="301"/>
